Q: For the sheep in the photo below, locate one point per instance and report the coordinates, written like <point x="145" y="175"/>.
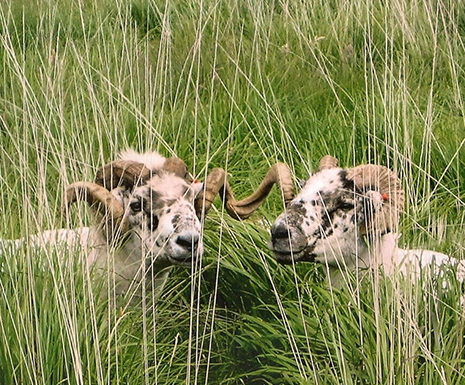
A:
<point x="346" y="219"/>
<point x="150" y="212"/>
<point x="146" y="207"/>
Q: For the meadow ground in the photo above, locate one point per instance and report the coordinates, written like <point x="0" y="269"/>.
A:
<point x="236" y="84"/>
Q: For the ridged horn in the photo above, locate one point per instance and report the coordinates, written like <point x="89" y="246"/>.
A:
<point x="122" y="173"/>
<point x="216" y="183"/>
<point x="327" y="161"/>
<point x="102" y="201"/>
<point x="177" y="167"/>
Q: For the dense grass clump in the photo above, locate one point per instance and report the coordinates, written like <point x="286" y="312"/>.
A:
<point x="238" y="85"/>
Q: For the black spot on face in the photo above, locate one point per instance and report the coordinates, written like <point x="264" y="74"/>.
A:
<point x="188" y="194"/>
<point x="296" y="214"/>
<point x="347" y="184"/>
<point x="154" y="195"/>
<point x="152" y="223"/>
<point x="155" y="201"/>
<point x="175" y="220"/>
<point x="297" y="208"/>
<point x="326" y="219"/>
<point x="168" y="202"/>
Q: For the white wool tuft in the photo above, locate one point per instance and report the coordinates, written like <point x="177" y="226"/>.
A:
<point x="151" y="159"/>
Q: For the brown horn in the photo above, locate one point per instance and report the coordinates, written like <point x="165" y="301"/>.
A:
<point x="104" y="203"/>
<point x="327" y="161"/>
<point x="216" y="182"/>
<point x="176" y="166"/>
<point x="122" y="172"/>
<point x="386" y="182"/>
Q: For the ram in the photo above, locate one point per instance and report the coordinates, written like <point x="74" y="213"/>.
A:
<point x="149" y="212"/>
<point x="346" y="219"/>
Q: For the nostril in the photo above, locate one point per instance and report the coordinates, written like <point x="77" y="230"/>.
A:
<point x="188" y="241"/>
<point x="280" y="232"/>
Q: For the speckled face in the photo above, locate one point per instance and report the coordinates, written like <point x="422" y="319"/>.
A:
<point x="161" y="213"/>
<point x="321" y="222"/>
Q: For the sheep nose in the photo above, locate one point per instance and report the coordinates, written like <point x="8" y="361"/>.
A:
<point x="280" y="232"/>
<point x="188" y="241"/>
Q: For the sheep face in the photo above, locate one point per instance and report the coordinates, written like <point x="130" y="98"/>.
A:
<point x="161" y="214"/>
<point x="322" y="222"/>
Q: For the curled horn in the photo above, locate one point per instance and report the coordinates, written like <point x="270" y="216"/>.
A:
<point x="216" y="182"/>
<point x="177" y="167"/>
<point x="130" y="174"/>
<point x="97" y="194"/>
<point x="122" y="172"/>
<point x="104" y="203"/>
<point x="369" y="177"/>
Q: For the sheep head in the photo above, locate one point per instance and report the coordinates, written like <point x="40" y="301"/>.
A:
<point x="334" y="209"/>
<point x="155" y="207"/>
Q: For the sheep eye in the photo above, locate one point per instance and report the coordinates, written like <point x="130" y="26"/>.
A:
<point x="136" y="206"/>
<point x="346" y="206"/>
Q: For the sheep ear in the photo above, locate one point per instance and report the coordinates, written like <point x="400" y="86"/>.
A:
<point x="375" y="200"/>
<point x="197" y="187"/>
<point x="372" y="206"/>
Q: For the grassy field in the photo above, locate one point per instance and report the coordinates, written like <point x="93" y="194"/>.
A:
<point x="240" y="85"/>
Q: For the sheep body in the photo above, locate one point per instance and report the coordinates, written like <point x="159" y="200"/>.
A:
<point x="386" y="255"/>
<point x="70" y="238"/>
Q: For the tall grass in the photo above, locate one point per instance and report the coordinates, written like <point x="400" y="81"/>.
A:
<point x="239" y="85"/>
